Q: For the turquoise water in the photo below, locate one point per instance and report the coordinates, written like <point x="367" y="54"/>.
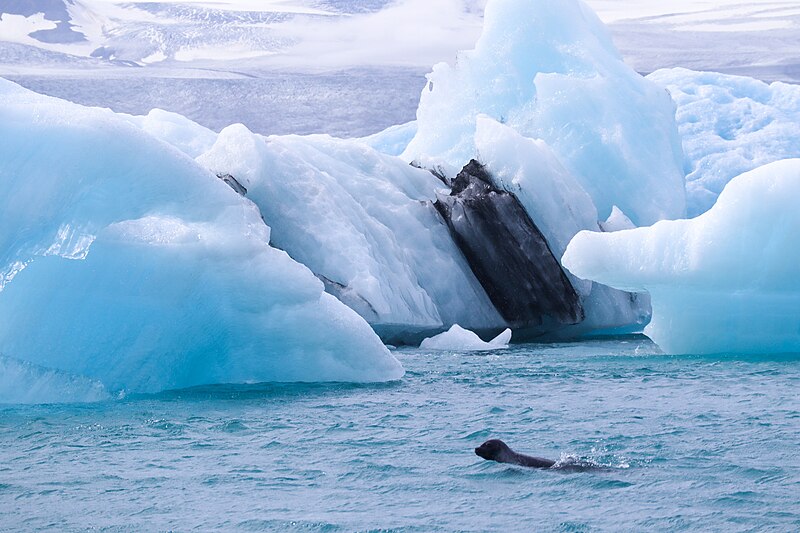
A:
<point x="680" y="443"/>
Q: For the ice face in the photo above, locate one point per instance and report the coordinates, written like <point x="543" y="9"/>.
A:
<point x="508" y="253"/>
<point x="393" y="140"/>
<point x="560" y="207"/>
<point x="548" y="70"/>
<point x="725" y="281"/>
<point x="124" y="261"/>
<point x="186" y="135"/>
<point x="363" y="222"/>
<point x="460" y="339"/>
<point x="528" y="168"/>
<point x="729" y="125"/>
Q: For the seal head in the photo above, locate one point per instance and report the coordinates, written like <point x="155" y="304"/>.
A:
<point x="493" y="450"/>
<point x="497" y="450"/>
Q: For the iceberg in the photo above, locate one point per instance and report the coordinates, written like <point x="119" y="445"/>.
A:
<point x="363" y="222"/>
<point x="548" y="70"/>
<point x="727" y="281"/>
<point x="560" y="207"/>
<point x="459" y="339"/>
<point x="124" y="261"/>
<point x="366" y="223"/>
<point x="729" y="125"/>
<point x="125" y="214"/>
<point x="553" y="117"/>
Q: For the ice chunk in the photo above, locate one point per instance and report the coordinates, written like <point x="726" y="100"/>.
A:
<point x="124" y="261"/>
<point x="508" y="253"/>
<point x="726" y="281"/>
<point x="548" y="69"/>
<point x="460" y="339"/>
<point x="186" y="135"/>
<point x="529" y="169"/>
<point x="363" y="222"/>
<point x="393" y="140"/>
<point x="729" y="125"/>
<point x="560" y="208"/>
<point x="616" y="221"/>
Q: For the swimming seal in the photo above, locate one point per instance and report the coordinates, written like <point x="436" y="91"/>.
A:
<point x="497" y="450"/>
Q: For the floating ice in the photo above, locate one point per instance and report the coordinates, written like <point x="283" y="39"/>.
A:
<point x="124" y="261"/>
<point x="363" y="222"/>
<point x="463" y="340"/>
<point x="729" y="125"/>
<point x="548" y="70"/>
<point x="726" y="281"/>
<point x="560" y="208"/>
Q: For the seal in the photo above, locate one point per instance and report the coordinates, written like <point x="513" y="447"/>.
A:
<point x="497" y="450"/>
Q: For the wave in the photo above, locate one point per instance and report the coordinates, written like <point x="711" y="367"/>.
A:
<point x="22" y="382"/>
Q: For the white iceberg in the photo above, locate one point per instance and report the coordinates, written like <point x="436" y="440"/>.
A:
<point x="124" y="261"/>
<point x="363" y="222"/>
<point x="725" y="281"/>
<point x="459" y="339"/>
<point x="729" y="125"/>
<point x="549" y="70"/>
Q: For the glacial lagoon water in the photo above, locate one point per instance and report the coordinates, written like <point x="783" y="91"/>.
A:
<point x="680" y="443"/>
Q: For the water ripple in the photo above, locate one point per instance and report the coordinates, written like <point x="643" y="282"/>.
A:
<point x="644" y="442"/>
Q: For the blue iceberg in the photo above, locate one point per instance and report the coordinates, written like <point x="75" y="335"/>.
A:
<point x="725" y="281"/>
<point x="124" y="261"/>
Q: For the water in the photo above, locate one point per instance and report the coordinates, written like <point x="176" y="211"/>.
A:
<point x="681" y="443"/>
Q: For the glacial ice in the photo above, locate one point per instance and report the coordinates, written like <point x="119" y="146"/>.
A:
<point x="126" y="263"/>
<point x="393" y="140"/>
<point x="616" y="221"/>
<point x="560" y="208"/>
<point x="363" y="222"/>
<point x="549" y="70"/>
<point x="729" y="125"/>
<point x="725" y="281"/>
<point x="186" y="135"/>
<point x="508" y="254"/>
<point x="123" y="261"/>
<point x="361" y="219"/>
<point x="463" y="340"/>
